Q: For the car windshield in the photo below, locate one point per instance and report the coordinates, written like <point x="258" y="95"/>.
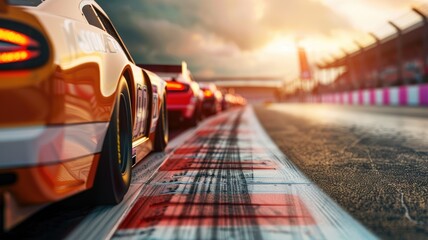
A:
<point x="32" y="3"/>
<point x="170" y="76"/>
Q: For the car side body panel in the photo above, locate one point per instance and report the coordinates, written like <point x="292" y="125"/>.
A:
<point x="54" y="118"/>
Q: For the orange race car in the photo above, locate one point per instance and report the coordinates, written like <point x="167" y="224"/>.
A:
<point x="76" y="112"/>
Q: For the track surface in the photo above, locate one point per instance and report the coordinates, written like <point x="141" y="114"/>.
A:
<point x="228" y="181"/>
<point x="373" y="161"/>
<point x="223" y="180"/>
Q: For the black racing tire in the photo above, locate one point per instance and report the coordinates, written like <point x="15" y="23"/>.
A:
<point x="194" y="120"/>
<point x="200" y="113"/>
<point x="196" y="117"/>
<point x="162" y="129"/>
<point x="2" y="215"/>
<point x="114" y="171"/>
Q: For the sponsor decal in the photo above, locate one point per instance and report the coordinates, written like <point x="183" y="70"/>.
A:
<point x="88" y="41"/>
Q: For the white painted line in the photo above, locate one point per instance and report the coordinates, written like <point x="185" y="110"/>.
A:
<point x="332" y="220"/>
<point x="103" y="221"/>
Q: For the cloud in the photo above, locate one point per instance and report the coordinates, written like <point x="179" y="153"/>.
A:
<point x="302" y="17"/>
<point x="236" y="22"/>
<point x="228" y="36"/>
<point x="249" y="24"/>
<point x="393" y="3"/>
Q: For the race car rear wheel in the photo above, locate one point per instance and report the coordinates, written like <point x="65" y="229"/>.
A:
<point x="194" y="120"/>
<point x="2" y="215"/>
<point x="114" y="170"/>
<point x="162" y="132"/>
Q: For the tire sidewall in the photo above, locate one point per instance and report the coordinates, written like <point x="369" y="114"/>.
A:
<point x="111" y="183"/>
<point x="162" y="129"/>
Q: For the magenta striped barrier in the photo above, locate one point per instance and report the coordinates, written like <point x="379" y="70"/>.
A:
<point x="423" y="95"/>
<point x="413" y="95"/>
<point x="386" y="96"/>
<point x="372" y="97"/>
<point x="404" y="96"/>
<point x="361" y="97"/>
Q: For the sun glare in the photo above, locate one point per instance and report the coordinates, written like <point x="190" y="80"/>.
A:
<point x="281" y="45"/>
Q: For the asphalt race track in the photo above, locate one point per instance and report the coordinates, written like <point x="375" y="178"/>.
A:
<point x="223" y="180"/>
<point x="371" y="160"/>
<point x="226" y="179"/>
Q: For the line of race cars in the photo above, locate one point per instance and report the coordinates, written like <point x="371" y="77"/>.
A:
<point x="188" y="101"/>
<point x="76" y="111"/>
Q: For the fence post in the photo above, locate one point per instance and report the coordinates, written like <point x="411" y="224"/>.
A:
<point x="401" y="81"/>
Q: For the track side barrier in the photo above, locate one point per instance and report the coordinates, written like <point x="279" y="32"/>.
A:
<point x="413" y="95"/>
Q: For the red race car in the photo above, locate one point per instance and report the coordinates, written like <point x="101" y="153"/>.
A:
<point x="212" y="103"/>
<point x="184" y="98"/>
<point x="76" y="112"/>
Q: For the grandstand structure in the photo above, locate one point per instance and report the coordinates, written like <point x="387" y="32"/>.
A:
<point x="394" y="55"/>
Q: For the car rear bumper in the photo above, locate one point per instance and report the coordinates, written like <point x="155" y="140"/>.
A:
<point x="41" y="145"/>
<point x="183" y="104"/>
<point x="45" y="164"/>
<point x="209" y="106"/>
<point x="49" y="183"/>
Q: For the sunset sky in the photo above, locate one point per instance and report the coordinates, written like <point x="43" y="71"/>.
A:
<point x="249" y="37"/>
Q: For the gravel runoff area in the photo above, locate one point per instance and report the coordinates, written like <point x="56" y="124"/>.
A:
<point x="378" y="174"/>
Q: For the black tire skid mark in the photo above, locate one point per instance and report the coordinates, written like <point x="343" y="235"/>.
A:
<point x="210" y="177"/>
<point x="233" y="186"/>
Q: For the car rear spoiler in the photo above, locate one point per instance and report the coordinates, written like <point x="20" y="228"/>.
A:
<point x="3" y="6"/>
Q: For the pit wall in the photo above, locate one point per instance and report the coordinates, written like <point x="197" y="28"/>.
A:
<point x="414" y="95"/>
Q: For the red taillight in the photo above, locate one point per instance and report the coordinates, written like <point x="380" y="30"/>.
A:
<point x="176" y="86"/>
<point x="13" y="37"/>
<point x="16" y="56"/>
<point x="21" y="46"/>
<point x="208" y="93"/>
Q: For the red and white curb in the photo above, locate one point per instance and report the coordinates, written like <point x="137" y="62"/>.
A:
<point x="225" y="179"/>
<point x="104" y="220"/>
<point x="228" y="180"/>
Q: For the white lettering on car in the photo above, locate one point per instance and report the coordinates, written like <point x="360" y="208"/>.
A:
<point x="89" y="41"/>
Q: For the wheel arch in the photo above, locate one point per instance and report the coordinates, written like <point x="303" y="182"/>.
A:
<point x="150" y="103"/>
<point x="130" y="81"/>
